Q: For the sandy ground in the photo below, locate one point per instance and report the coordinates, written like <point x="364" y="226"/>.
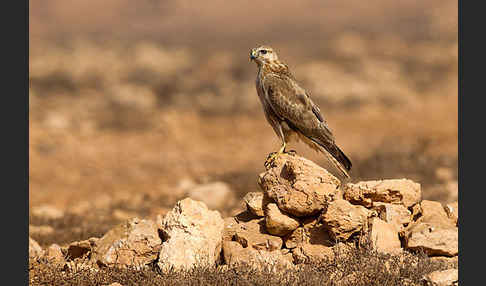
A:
<point x="127" y="103"/>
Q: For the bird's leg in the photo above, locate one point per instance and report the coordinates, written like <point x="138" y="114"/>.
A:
<point x="282" y="149"/>
<point x="272" y="156"/>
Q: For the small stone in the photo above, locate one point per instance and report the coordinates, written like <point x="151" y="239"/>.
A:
<point x="312" y="253"/>
<point x="384" y="237"/>
<point x="255" y="203"/>
<point x="311" y="232"/>
<point x="79" y="249"/>
<point x="343" y="219"/>
<point x="434" y="213"/>
<point x="278" y="223"/>
<point x="47" y="212"/>
<point x="34" y="249"/>
<point x="396" y="191"/>
<point x="253" y="234"/>
<point x="442" y="278"/>
<point x="192" y="236"/>
<point x="433" y="239"/>
<point x="452" y="210"/>
<point x="132" y="243"/>
<point x="235" y="254"/>
<point x="54" y="254"/>
<point x="40" y="230"/>
<point x="394" y="214"/>
<point x="123" y="215"/>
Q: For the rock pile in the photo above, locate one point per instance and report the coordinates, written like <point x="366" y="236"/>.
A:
<point x="303" y="214"/>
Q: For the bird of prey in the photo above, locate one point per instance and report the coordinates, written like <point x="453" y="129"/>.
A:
<point x="290" y="111"/>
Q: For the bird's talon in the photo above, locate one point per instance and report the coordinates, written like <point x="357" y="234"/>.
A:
<point x="271" y="157"/>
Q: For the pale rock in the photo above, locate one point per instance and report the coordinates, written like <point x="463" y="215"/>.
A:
<point x="47" y="212"/>
<point x="447" y="277"/>
<point x="35" y="250"/>
<point x="216" y="195"/>
<point x="452" y="210"/>
<point x="433" y="239"/>
<point x="54" y="254"/>
<point x="311" y="232"/>
<point x="132" y="243"/>
<point x="278" y="223"/>
<point x="312" y="253"/>
<point x="235" y="254"/>
<point x="434" y="213"/>
<point x="343" y="219"/>
<point x="255" y="203"/>
<point x="250" y="233"/>
<point x="393" y="214"/>
<point x="384" y="237"/>
<point x="299" y="186"/>
<point x="397" y="191"/>
<point x="123" y="215"/>
<point x="41" y="230"/>
<point x="192" y="236"/>
<point x="444" y="174"/>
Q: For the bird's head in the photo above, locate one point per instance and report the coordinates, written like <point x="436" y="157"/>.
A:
<point x="262" y="55"/>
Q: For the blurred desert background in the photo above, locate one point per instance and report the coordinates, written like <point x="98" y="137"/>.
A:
<point x="132" y="104"/>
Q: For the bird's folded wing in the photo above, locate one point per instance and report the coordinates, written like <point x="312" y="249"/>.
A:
<point x="292" y="104"/>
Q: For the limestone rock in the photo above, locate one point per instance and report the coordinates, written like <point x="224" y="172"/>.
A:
<point x="132" y="243"/>
<point x="47" y="212"/>
<point x="452" y="211"/>
<point x="299" y="186"/>
<point x="311" y="232"/>
<point x="255" y="203"/>
<point x="396" y="191"/>
<point x="235" y="254"/>
<point x="342" y="219"/>
<point x="433" y="239"/>
<point x="251" y="233"/>
<point x="192" y="236"/>
<point x="433" y="213"/>
<point x="278" y="223"/>
<point x="384" y="237"/>
<point x="312" y="253"/>
<point x="54" y="254"/>
<point x="40" y="230"/>
<point x="34" y="249"/>
<point x="442" y="278"/>
<point x="216" y="195"/>
<point x="393" y="214"/>
<point x="78" y="249"/>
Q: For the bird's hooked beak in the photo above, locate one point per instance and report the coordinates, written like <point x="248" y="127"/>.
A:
<point x="253" y="54"/>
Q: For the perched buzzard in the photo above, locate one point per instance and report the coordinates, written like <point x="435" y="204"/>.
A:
<point x="290" y="111"/>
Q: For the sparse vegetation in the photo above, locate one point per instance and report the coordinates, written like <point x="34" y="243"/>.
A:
<point x="360" y="267"/>
<point x="120" y="117"/>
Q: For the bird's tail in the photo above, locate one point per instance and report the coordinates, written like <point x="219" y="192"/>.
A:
<point x="339" y="160"/>
<point x="337" y="157"/>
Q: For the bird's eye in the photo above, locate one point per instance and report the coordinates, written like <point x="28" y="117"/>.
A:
<point x="263" y="52"/>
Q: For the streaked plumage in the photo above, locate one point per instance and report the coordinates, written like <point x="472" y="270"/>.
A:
<point x="289" y="109"/>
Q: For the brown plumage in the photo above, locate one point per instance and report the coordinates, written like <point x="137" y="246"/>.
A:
<point x="290" y="111"/>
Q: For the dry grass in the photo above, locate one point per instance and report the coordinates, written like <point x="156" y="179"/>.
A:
<point x="358" y="267"/>
<point x="126" y="101"/>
